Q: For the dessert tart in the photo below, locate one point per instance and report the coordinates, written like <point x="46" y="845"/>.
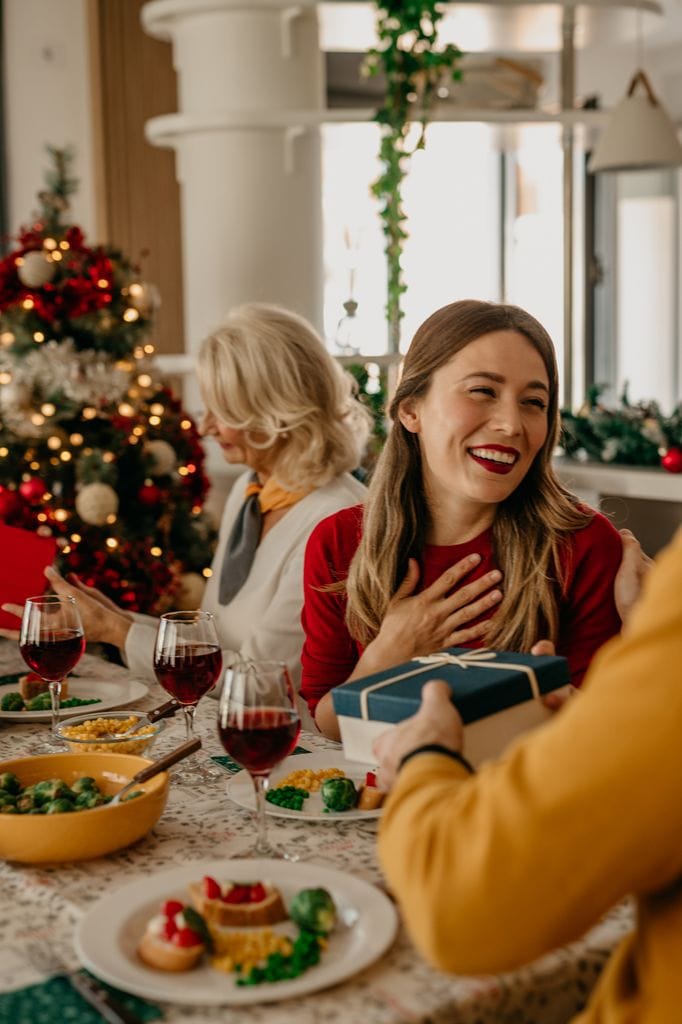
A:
<point x="172" y="940"/>
<point x="237" y="905"/>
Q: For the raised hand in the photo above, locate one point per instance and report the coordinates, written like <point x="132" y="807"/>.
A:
<point x="630" y="577"/>
<point x="96" y="595"/>
<point x="102" y="620"/>
<point x="439" y="616"/>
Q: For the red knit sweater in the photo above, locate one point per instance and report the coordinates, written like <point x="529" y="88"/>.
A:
<point x="587" y="612"/>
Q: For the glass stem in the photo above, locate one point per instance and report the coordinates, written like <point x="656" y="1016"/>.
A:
<point x="55" y="696"/>
<point x="260" y="785"/>
<point x="189" y="711"/>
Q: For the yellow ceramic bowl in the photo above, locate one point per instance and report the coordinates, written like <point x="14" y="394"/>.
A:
<point x="81" y="835"/>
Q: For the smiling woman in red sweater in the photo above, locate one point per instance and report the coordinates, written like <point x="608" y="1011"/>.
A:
<point x="467" y="537"/>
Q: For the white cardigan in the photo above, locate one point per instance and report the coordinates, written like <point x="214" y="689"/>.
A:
<point x="264" y="619"/>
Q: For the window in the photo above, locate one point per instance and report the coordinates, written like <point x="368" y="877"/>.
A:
<point x="453" y="204"/>
<point x="636" y="308"/>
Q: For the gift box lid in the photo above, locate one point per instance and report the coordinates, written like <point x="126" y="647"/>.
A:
<point x="483" y="682"/>
<point x="24" y="556"/>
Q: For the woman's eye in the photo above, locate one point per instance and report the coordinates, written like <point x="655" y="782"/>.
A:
<point x="490" y="392"/>
<point x="538" y="403"/>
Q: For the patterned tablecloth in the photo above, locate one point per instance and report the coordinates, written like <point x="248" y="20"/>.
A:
<point x="202" y="823"/>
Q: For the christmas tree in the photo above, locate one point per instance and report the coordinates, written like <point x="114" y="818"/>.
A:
<point x="93" y="449"/>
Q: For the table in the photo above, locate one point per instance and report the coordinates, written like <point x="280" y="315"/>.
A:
<point x="202" y="822"/>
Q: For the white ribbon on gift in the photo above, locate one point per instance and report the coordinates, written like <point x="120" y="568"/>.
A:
<point x="482" y="658"/>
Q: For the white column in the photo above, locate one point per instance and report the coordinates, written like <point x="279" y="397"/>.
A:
<point x="250" y="86"/>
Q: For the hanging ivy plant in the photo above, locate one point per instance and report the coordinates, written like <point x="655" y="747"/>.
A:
<point x="414" y="69"/>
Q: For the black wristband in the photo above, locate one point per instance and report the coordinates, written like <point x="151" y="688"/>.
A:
<point x="436" y="748"/>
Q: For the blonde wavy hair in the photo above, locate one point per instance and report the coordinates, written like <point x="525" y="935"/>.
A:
<point x="266" y="371"/>
<point x="530" y="526"/>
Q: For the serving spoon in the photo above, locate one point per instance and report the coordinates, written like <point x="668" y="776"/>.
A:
<point x="157" y="766"/>
<point x="166" y="710"/>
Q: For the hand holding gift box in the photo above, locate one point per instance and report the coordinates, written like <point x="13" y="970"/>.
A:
<point x="497" y="693"/>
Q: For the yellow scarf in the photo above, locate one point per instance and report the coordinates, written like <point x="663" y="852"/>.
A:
<point x="272" y="497"/>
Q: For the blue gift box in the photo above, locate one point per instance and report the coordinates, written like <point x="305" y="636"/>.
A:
<point x="497" y="693"/>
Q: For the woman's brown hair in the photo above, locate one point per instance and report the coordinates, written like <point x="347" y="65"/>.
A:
<point x="529" y="525"/>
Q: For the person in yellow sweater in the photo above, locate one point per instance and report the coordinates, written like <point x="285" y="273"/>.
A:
<point x="494" y="869"/>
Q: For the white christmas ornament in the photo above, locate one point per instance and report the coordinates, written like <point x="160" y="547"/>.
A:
<point x="36" y="270"/>
<point x="191" y="591"/>
<point x="96" y="502"/>
<point x="164" y="459"/>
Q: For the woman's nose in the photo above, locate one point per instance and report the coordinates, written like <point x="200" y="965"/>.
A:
<point x="507" y="418"/>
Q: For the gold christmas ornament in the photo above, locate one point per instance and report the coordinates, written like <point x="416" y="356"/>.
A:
<point x="144" y="297"/>
<point x="163" y="457"/>
<point x="191" y="592"/>
<point x="36" y="269"/>
<point x="95" y="503"/>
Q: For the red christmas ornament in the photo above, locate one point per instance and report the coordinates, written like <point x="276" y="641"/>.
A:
<point x="150" y="494"/>
<point x="32" y="490"/>
<point x="672" y="460"/>
<point x="10" y="503"/>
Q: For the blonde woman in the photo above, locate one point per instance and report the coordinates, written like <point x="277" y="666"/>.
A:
<point x="467" y="537"/>
<point x="277" y="403"/>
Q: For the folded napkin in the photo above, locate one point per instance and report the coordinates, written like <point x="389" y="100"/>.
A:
<point x="12" y="678"/>
<point x="55" y="1000"/>
<point x="231" y="767"/>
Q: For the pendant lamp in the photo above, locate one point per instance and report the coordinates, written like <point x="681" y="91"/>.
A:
<point x="639" y="136"/>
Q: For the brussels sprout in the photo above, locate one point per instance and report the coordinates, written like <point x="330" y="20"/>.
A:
<point x="9" y="783"/>
<point x="12" y="702"/>
<point x="50" y="789"/>
<point x="87" y="799"/>
<point x="314" y="910"/>
<point x="86" y="784"/>
<point x="338" y="794"/>
<point x="9" y="809"/>
<point x="37" y="810"/>
<point x="25" y="803"/>
<point x="7" y="800"/>
<point x="60" y="806"/>
<point x="131" y="796"/>
<point x="42" y="702"/>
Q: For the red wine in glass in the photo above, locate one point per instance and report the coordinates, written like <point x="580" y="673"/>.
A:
<point x="188" y="672"/>
<point x="259" y="739"/>
<point x="258" y="725"/>
<point x="187" y="663"/>
<point x="54" y="656"/>
<point x="51" y="641"/>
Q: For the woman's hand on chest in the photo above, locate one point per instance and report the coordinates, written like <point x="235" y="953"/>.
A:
<point x="444" y="614"/>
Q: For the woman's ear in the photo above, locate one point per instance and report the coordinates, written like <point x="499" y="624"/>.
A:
<point x="408" y="414"/>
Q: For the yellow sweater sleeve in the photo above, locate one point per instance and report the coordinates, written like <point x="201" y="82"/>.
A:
<point x="495" y="869"/>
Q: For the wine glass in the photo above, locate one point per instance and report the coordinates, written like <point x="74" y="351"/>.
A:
<point x="187" y="662"/>
<point x="258" y="725"/>
<point x="51" y="642"/>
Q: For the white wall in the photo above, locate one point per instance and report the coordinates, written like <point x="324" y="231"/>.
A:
<point x="47" y="101"/>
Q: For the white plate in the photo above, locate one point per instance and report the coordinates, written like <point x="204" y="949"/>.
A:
<point x="240" y="788"/>
<point x="112" y="695"/>
<point x="108" y="935"/>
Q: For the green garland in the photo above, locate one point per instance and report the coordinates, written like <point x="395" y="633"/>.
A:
<point x="630" y="435"/>
<point x="413" y="68"/>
